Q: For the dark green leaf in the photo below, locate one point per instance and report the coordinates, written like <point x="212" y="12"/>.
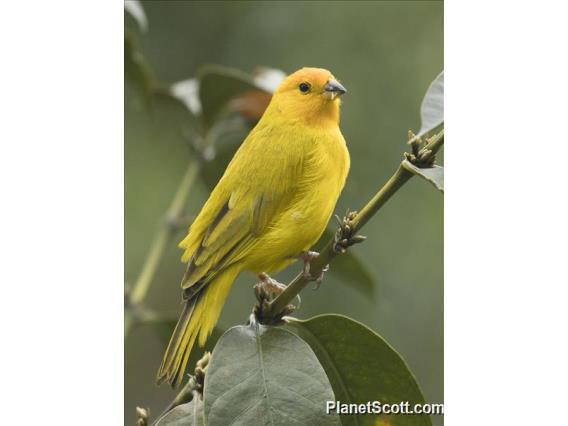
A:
<point x="261" y="375"/>
<point x="432" y="109"/>
<point x="136" y="71"/>
<point x="352" y="271"/>
<point x="189" y="414"/>
<point x="224" y="84"/>
<point x="169" y="110"/>
<point x="361" y="367"/>
<point x="434" y="174"/>
<point x="217" y="86"/>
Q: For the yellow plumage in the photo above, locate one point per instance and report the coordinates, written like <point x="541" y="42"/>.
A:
<point x="272" y="203"/>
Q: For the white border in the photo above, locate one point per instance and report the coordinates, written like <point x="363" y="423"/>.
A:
<point x="505" y="213"/>
<point x="61" y="222"/>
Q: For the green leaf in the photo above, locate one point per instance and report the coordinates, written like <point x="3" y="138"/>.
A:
<point x="432" y="109"/>
<point x="434" y="174"/>
<point x="217" y="86"/>
<point x="189" y="414"/>
<point x="136" y="70"/>
<point x="361" y="367"/>
<point x="352" y="271"/>
<point x="173" y="112"/>
<point x="217" y="79"/>
<point x="261" y="375"/>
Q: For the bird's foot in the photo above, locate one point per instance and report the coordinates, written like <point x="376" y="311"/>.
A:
<point x="346" y="236"/>
<point x="307" y="257"/>
<point x="319" y="278"/>
<point x="270" y="285"/>
<point x="266" y="291"/>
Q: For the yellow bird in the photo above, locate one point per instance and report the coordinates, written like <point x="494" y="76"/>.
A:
<point x="271" y="205"/>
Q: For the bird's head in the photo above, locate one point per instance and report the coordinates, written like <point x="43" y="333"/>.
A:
<point x="310" y="95"/>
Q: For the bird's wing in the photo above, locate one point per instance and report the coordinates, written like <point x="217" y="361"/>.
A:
<point x="257" y="186"/>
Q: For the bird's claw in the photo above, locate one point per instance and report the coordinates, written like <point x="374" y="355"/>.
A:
<point x="319" y="279"/>
<point x="307" y="257"/>
<point x="266" y="291"/>
<point x="273" y="287"/>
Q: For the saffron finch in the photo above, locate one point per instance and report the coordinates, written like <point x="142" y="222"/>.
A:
<point x="271" y="205"/>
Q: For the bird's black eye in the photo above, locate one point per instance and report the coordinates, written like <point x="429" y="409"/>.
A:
<point x="304" y="87"/>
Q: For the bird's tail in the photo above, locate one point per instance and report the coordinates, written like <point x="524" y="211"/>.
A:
<point x="198" y="318"/>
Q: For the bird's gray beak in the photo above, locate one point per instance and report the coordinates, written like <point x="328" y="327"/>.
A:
<point x="334" y="89"/>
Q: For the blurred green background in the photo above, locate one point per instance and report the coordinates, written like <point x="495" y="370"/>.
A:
<point x="386" y="54"/>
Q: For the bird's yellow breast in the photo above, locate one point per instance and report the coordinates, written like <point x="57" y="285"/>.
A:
<point x="324" y="169"/>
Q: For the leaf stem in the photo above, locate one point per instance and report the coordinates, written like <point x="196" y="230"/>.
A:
<point x="397" y="180"/>
<point x="186" y="394"/>
<point x="160" y="243"/>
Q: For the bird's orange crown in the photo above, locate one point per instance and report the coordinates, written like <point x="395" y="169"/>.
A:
<point x="309" y="95"/>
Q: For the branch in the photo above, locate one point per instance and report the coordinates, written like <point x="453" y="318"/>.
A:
<point x="172" y="218"/>
<point x="186" y="394"/>
<point x="397" y="180"/>
<point x="192" y="389"/>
